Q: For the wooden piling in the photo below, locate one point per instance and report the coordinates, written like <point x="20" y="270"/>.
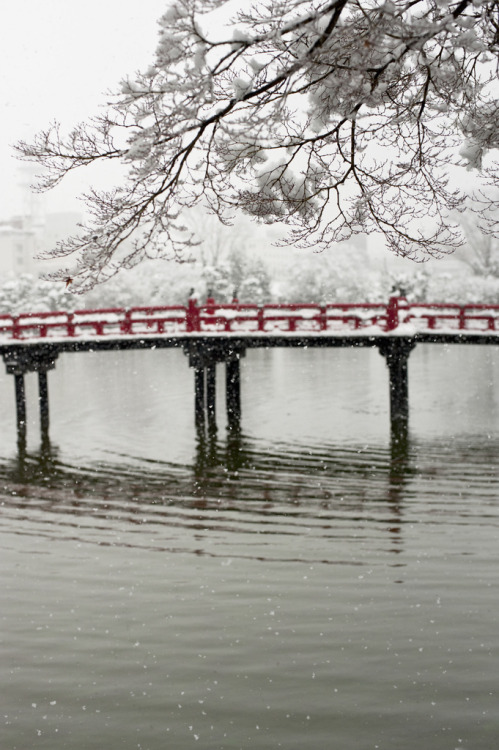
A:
<point x="211" y="396"/>
<point x="43" y="400"/>
<point x="199" y="397"/>
<point x="233" y="392"/>
<point x="396" y="352"/>
<point x="20" y="407"/>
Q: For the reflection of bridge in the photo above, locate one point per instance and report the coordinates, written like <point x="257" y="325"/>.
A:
<point x="214" y="333"/>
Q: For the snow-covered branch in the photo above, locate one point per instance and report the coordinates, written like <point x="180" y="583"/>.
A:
<point x="333" y="117"/>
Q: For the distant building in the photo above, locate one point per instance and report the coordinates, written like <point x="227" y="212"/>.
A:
<point x="56" y="227"/>
<point x="18" y="242"/>
<point x="22" y="239"/>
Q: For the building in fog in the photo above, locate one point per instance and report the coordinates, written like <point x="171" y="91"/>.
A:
<point x="18" y="243"/>
<point x="22" y="238"/>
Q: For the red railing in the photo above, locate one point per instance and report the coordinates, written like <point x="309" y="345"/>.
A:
<point x="398" y="315"/>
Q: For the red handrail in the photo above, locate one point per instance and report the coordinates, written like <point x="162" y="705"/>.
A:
<point x="398" y="315"/>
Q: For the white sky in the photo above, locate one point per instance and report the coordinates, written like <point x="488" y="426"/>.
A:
<point x="57" y="60"/>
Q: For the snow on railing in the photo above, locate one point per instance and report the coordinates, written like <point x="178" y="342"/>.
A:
<point x="211" y="317"/>
<point x="453" y="317"/>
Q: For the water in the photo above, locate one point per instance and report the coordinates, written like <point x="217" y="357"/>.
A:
<point x="306" y="586"/>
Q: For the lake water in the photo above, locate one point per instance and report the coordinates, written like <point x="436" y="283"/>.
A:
<point x="305" y="586"/>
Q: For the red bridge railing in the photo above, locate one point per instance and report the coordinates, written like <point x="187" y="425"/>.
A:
<point x="396" y="316"/>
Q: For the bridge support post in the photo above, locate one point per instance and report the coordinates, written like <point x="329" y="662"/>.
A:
<point x="203" y="358"/>
<point x="43" y="400"/>
<point x="20" y="408"/>
<point x="233" y="393"/>
<point x="199" y="398"/>
<point x="211" y="396"/>
<point x="18" y="362"/>
<point x="396" y="352"/>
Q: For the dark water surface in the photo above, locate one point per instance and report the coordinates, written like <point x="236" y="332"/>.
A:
<point x="307" y="585"/>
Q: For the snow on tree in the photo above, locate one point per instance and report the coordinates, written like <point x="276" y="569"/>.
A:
<point x="25" y="292"/>
<point x="333" y="117"/>
<point x="480" y="252"/>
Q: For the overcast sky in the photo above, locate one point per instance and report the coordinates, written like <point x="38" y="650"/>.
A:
<point x="57" y="60"/>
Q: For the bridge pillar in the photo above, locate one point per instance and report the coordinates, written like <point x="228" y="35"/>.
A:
<point x="396" y="352"/>
<point x="18" y="362"/>
<point x="211" y="396"/>
<point x="233" y="393"/>
<point x="43" y="400"/>
<point x="205" y="389"/>
<point x="199" y="398"/>
<point x="20" y="407"/>
<point x="203" y="358"/>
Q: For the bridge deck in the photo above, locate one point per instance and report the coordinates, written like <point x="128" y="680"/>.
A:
<point x="238" y="341"/>
<point x="263" y="325"/>
<point x="210" y="334"/>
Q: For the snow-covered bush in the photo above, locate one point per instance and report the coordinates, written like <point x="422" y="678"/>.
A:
<point x="153" y="284"/>
<point x="26" y="293"/>
<point x="463" y="289"/>
<point x="332" y="280"/>
<point x="412" y="286"/>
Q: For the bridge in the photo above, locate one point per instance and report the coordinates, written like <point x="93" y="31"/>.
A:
<point x="211" y="334"/>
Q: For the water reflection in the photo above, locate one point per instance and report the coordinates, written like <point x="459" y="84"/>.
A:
<point x="236" y="490"/>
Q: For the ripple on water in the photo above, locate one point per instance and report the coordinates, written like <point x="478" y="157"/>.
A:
<point x="314" y="502"/>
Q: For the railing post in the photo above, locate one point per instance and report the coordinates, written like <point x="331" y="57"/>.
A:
<point x="126" y="323"/>
<point x="192" y="322"/>
<point x="70" y="325"/>
<point x="392" y="314"/>
<point x="260" y="319"/>
<point x="323" y="318"/>
<point x="462" y="318"/>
